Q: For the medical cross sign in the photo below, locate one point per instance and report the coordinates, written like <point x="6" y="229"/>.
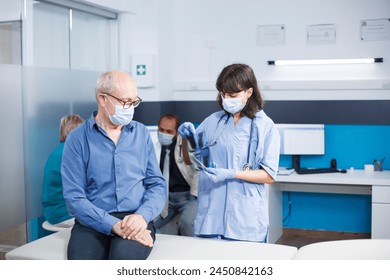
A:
<point x="141" y="69"/>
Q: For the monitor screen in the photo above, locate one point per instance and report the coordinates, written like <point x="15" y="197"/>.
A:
<point x="302" y="139"/>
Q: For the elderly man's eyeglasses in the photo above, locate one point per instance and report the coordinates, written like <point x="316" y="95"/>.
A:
<point x="126" y="104"/>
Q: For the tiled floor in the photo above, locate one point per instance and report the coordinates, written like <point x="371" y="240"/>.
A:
<point x="11" y="238"/>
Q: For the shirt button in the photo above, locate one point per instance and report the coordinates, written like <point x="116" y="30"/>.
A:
<point x="117" y="190"/>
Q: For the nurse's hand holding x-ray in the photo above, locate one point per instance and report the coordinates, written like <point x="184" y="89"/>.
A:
<point x="219" y="174"/>
<point x="187" y="131"/>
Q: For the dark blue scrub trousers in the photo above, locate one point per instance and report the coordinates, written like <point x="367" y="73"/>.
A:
<point x="88" y="244"/>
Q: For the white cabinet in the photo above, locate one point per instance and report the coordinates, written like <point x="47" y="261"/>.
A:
<point x="376" y="184"/>
<point x="380" y="228"/>
<point x="275" y="208"/>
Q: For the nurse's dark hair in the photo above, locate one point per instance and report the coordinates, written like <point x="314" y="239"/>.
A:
<point x="238" y="77"/>
<point x="170" y="116"/>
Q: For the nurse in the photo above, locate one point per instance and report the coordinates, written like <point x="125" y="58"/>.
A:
<point x="238" y="148"/>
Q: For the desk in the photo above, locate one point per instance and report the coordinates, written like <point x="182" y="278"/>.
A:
<point x="372" y="183"/>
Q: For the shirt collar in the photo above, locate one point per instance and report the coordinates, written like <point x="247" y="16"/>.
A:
<point x="93" y="124"/>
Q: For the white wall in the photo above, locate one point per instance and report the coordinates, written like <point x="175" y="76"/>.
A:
<point x="10" y="10"/>
<point x="144" y="39"/>
<point x="140" y="25"/>
<point x="232" y="26"/>
<point x="229" y="27"/>
<point x="194" y="40"/>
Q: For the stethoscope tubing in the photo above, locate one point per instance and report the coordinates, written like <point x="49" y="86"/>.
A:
<point x="246" y="166"/>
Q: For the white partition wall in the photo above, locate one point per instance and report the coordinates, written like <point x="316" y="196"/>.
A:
<point x="12" y="194"/>
<point x="33" y="101"/>
<point x="51" y="38"/>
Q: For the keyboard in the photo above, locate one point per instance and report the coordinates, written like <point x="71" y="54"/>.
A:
<point x="285" y="171"/>
<point x="316" y="170"/>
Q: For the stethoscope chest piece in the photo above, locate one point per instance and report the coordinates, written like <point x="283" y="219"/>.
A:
<point x="247" y="167"/>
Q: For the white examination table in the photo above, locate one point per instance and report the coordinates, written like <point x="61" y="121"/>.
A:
<point x="166" y="247"/>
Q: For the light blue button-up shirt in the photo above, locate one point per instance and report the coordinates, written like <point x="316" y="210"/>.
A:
<point x="100" y="177"/>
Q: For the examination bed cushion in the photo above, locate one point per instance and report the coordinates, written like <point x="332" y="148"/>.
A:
<point x="166" y="247"/>
<point x="355" y="249"/>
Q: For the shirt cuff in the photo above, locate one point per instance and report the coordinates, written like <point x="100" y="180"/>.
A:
<point x="270" y="172"/>
<point x="145" y="214"/>
<point x="109" y="223"/>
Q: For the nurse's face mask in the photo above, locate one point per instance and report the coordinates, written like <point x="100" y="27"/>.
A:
<point x="235" y="102"/>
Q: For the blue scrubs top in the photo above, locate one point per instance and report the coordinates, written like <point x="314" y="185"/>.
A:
<point x="236" y="209"/>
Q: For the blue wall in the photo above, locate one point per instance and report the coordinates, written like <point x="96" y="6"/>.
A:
<point x="335" y="212"/>
<point x="352" y="146"/>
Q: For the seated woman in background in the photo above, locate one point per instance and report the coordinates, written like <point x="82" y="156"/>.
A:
<point x="54" y="207"/>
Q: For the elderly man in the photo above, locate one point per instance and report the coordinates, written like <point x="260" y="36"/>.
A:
<point x="112" y="182"/>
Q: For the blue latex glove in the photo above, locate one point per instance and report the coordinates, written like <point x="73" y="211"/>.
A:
<point x="185" y="129"/>
<point x="196" y="162"/>
<point x="219" y="174"/>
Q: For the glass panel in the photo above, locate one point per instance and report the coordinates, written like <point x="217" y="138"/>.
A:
<point x="90" y="42"/>
<point x="44" y="103"/>
<point x="34" y="101"/>
<point x="51" y="35"/>
<point x="91" y="45"/>
<point x="12" y="195"/>
<point x="10" y="43"/>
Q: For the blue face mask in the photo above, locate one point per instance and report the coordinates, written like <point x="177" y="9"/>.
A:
<point x="121" y="116"/>
<point x="232" y="105"/>
<point x="164" y="138"/>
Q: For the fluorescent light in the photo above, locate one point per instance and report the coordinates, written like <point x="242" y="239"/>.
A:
<point x="324" y="61"/>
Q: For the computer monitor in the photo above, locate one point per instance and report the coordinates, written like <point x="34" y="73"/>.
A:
<point x="301" y="139"/>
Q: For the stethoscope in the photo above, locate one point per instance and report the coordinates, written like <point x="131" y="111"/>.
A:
<point x="215" y="136"/>
<point x="180" y="159"/>
<point x="247" y="166"/>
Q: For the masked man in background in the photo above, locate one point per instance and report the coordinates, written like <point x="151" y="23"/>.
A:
<point x="181" y="177"/>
